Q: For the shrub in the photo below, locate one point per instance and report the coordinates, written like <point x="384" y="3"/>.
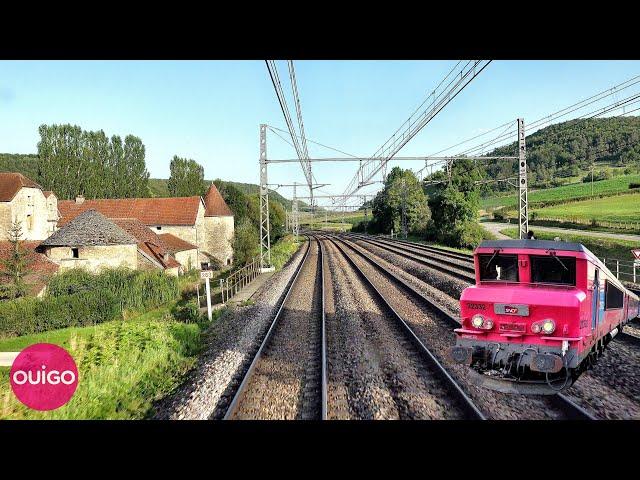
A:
<point x="78" y="298"/>
<point x="134" y="289"/>
<point x="30" y="315"/>
<point x="187" y="311"/>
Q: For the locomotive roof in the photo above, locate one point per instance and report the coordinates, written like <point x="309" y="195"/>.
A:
<point x="536" y="245"/>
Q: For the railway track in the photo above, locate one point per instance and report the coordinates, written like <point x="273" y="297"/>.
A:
<point x="450" y="267"/>
<point x="287" y="378"/>
<point x="419" y="384"/>
<point x="569" y="409"/>
<point x="432" y="249"/>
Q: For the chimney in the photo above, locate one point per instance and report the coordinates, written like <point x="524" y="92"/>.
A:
<point x="79" y="199"/>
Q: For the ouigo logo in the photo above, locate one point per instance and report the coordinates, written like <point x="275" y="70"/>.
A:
<point x="44" y="376"/>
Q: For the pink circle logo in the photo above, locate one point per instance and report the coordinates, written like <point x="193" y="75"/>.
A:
<point x="44" y="376"/>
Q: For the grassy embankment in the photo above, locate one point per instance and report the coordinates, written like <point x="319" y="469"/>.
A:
<point x="565" y="193"/>
<point x="124" y="365"/>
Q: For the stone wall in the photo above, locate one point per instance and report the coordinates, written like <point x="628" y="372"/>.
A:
<point x="95" y="258"/>
<point x="219" y="238"/>
<point x="188" y="259"/>
<point x="30" y="208"/>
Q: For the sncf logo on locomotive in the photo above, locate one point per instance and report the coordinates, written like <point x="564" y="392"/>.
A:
<point x="510" y="310"/>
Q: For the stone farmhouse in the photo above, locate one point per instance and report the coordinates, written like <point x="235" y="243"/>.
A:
<point x="206" y="222"/>
<point x="173" y="234"/>
<point x="24" y="200"/>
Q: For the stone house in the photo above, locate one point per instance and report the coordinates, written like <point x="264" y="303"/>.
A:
<point x="152" y="249"/>
<point x="93" y="242"/>
<point x="219" y="226"/>
<point x="184" y="252"/>
<point x="24" y="200"/>
<point x="206" y="222"/>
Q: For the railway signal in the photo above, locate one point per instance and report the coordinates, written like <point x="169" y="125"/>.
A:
<point x="207" y="275"/>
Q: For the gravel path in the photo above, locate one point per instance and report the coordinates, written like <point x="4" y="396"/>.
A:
<point x="229" y="347"/>
<point x="374" y="371"/>
<point x="285" y="384"/>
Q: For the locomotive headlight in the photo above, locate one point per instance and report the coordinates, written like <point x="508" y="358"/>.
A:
<point x="548" y="326"/>
<point x="536" y="328"/>
<point x="477" y="321"/>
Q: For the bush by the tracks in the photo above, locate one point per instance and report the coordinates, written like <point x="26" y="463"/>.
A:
<point x="29" y="315"/>
<point x="134" y="289"/>
<point x="79" y="298"/>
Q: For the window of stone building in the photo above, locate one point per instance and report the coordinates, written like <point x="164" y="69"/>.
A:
<point x="158" y="228"/>
<point x="29" y="221"/>
<point x="75" y="253"/>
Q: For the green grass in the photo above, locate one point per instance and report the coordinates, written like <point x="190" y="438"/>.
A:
<point x="284" y="249"/>
<point x="566" y="192"/>
<point x="619" y="208"/>
<point x="601" y="247"/>
<point x="123" y="366"/>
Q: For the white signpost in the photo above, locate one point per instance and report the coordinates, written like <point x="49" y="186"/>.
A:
<point x="207" y="275"/>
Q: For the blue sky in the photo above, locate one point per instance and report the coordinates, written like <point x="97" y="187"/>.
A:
<point x="211" y="110"/>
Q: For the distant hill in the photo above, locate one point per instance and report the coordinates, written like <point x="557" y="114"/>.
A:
<point x="567" y="150"/>
<point x="27" y="164"/>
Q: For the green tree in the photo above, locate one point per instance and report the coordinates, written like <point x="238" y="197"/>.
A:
<point x="402" y="192"/>
<point x="246" y="244"/>
<point x="73" y="162"/>
<point x="187" y="178"/>
<point x="15" y="267"/>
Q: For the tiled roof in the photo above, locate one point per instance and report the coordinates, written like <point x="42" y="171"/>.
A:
<point x="176" y="244"/>
<point x="215" y="206"/>
<point x="11" y="183"/>
<point x="150" y="211"/>
<point x="90" y="228"/>
<point x="39" y="266"/>
<point x="148" y="241"/>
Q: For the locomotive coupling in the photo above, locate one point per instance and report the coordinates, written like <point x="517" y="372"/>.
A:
<point x="546" y="362"/>
<point x="462" y="355"/>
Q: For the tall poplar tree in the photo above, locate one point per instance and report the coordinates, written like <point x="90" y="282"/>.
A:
<point x="187" y="178"/>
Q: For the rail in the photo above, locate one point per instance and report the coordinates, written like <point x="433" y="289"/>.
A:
<point x="439" y="368"/>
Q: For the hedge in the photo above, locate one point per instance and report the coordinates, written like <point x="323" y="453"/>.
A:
<point x="78" y="298"/>
<point x="30" y="315"/>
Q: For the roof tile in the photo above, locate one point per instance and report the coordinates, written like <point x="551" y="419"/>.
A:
<point x="150" y="211"/>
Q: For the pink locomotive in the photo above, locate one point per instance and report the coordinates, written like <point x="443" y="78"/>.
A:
<point x="540" y="313"/>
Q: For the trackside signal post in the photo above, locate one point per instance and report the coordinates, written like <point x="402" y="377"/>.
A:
<point x="207" y="275"/>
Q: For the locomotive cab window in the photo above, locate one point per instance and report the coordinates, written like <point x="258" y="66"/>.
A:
<point x="553" y="269"/>
<point x="496" y="267"/>
<point x="614" y="298"/>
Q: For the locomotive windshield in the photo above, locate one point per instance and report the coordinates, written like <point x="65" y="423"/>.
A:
<point x="552" y="269"/>
<point x="499" y="267"/>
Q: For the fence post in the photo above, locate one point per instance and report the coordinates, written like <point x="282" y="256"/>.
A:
<point x="634" y="272"/>
<point x="618" y="269"/>
<point x="221" y="291"/>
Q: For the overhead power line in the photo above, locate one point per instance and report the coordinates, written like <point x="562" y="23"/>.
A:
<point x="454" y="82"/>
